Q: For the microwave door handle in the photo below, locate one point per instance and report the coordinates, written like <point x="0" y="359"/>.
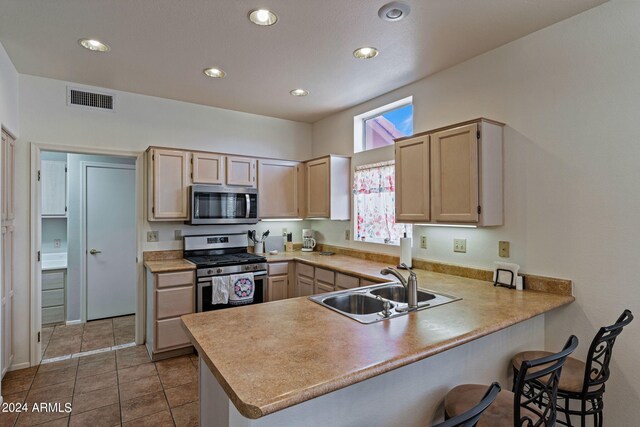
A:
<point x="248" y="199"/>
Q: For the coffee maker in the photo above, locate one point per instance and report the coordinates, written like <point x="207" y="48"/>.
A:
<point x="308" y="242"/>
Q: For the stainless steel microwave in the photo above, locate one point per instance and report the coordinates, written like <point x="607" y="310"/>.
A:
<point x="215" y="204"/>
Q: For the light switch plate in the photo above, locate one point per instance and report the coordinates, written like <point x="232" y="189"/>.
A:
<point x="423" y="242"/>
<point x="152" y="236"/>
<point x="56" y="243"/>
<point x="347" y="234"/>
<point x="503" y="249"/>
<point x="177" y="234"/>
<point x="460" y="245"/>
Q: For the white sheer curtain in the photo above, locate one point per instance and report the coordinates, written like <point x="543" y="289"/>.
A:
<point x="374" y="203"/>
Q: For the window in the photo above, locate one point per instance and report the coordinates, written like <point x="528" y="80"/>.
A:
<point x="374" y="203"/>
<point x="379" y="127"/>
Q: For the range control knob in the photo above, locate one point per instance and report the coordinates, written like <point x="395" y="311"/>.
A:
<point x="255" y="267"/>
<point x="219" y="270"/>
<point x="209" y="272"/>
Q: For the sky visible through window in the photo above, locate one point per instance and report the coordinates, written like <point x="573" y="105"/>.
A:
<point x="402" y="118"/>
<point x="383" y="129"/>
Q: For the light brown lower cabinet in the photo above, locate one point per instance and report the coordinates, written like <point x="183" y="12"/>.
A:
<point x="169" y="296"/>
<point x="305" y="286"/>
<point x="277" y="288"/>
<point x="344" y="281"/>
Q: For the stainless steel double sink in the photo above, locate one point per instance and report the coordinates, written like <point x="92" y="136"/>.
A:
<point x="367" y="304"/>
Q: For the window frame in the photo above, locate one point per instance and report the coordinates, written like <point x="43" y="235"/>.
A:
<point x="359" y="122"/>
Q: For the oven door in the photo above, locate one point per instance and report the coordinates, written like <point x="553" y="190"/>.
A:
<point x="211" y="204"/>
<point x="203" y="296"/>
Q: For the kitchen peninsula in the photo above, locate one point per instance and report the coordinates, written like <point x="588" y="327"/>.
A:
<point x="294" y="362"/>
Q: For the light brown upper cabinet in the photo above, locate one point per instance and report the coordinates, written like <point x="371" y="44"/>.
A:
<point x="328" y="189"/>
<point x="412" y="180"/>
<point x="168" y="185"/>
<point x="8" y="179"/>
<point x="278" y="189"/>
<point x="241" y="171"/>
<point x="463" y="169"/>
<point x="207" y="168"/>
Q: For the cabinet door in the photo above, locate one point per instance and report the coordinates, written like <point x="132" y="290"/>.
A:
<point x="8" y="178"/>
<point x="174" y="302"/>
<point x="318" y="188"/>
<point x="207" y="168"/>
<point x="170" y="186"/>
<point x="7" y="296"/>
<point x="323" y="288"/>
<point x="277" y="288"/>
<point x="278" y="189"/>
<point x="170" y="334"/>
<point x="241" y="171"/>
<point x="53" y="175"/>
<point x="305" y="286"/>
<point x="412" y="180"/>
<point x="454" y="170"/>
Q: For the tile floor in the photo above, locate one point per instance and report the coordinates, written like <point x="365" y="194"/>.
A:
<point x="114" y="388"/>
<point x="64" y="340"/>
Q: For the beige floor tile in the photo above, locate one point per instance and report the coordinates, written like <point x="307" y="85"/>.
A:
<point x="159" y="419"/>
<point x="144" y="405"/>
<point x="17" y="397"/>
<point x="47" y="393"/>
<point x="173" y="363"/>
<point x="135" y="372"/>
<point x="15" y="385"/>
<point x="98" y="357"/>
<point x="139" y="387"/>
<point x="83" y="402"/>
<point x="119" y="322"/>
<point x="8" y="419"/>
<point x="186" y="415"/>
<point x="63" y="347"/>
<point x="94" y="343"/>
<point x="58" y="376"/>
<point x="106" y="416"/>
<point x="32" y="417"/>
<point x="53" y="366"/>
<point x="68" y="331"/>
<point x="95" y="325"/>
<point x="124" y="335"/>
<point x="132" y="356"/>
<point x="60" y="422"/>
<point x="175" y="376"/>
<point x="183" y="394"/>
<point x="96" y="382"/>
<point x="21" y="373"/>
<point x="96" y="368"/>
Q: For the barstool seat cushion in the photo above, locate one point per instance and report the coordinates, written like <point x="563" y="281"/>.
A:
<point x="499" y="414"/>
<point x="571" y="376"/>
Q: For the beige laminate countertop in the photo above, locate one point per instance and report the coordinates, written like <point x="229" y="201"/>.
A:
<point x="163" y="266"/>
<point x="301" y="350"/>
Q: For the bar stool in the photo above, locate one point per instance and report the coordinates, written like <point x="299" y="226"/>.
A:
<point x="471" y="417"/>
<point x="583" y="382"/>
<point x="520" y="407"/>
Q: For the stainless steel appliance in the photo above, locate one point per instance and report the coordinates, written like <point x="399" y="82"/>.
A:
<point x="215" y="204"/>
<point x="223" y="255"/>
<point x="308" y="242"/>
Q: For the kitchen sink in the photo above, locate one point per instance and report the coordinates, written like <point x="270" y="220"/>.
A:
<point x="397" y="293"/>
<point x="367" y="304"/>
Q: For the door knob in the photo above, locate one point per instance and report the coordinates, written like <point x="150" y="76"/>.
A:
<point x="94" y="251"/>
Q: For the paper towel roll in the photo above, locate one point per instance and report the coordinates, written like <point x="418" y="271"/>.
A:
<point x="405" y="250"/>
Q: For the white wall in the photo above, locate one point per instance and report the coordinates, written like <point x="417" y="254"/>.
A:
<point x="570" y="96"/>
<point x="139" y="121"/>
<point x="8" y="93"/>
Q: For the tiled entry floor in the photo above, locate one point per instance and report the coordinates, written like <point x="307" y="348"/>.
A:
<point x="64" y="340"/>
<point x="113" y="388"/>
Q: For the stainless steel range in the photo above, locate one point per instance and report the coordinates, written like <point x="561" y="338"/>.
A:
<point x="223" y="255"/>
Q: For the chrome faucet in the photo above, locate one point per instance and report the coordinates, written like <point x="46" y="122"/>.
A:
<point x="410" y="286"/>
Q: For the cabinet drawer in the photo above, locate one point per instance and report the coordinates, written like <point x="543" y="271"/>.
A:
<point x="52" y="298"/>
<point x="170" y="334"/>
<point x="53" y="315"/>
<point x="326" y="276"/>
<point x="344" y="281"/>
<point x="174" y="302"/>
<point x="323" y="288"/>
<point x="179" y="278"/>
<point x="52" y="280"/>
<point x="278" y="268"/>
<point x="304" y="270"/>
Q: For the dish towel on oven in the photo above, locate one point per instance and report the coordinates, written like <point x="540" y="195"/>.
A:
<point x="242" y="288"/>
<point x="220" y="290"/>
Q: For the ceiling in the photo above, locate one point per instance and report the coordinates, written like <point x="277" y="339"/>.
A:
<point x="160" y="47"/>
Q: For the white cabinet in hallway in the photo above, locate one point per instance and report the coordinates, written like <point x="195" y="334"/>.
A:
<point x="53" y="175"/>
<point x="54" y="284"/>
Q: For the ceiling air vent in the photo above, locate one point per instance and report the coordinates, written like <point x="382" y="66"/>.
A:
<point x="93" y="100"/>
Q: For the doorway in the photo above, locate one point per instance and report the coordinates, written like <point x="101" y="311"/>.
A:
<point x="89" y="246"/>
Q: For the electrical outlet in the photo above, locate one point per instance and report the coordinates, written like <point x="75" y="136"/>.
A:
<point x="152" y="236"/>
<point x="177" y="234"/>
<point x="460" y="245"/>
<point x="423" y="242"/>
<point x="347" y="234"/>
<point x="284" y="232"/>
<point x="56" y="243"/>
<point x="503" y="249"/>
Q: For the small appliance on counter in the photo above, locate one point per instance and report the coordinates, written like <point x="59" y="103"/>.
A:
<point x="308" y="242"/>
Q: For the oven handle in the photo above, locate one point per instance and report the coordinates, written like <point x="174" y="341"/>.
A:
<point x="248" y="199"/>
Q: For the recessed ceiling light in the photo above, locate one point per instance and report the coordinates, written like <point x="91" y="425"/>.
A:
<point x="95" y="45"/>
<point x="365" y="52"/>
<point x="394" y="11"/>
<point x="214" y="72"/>
<point x="263" y="17"/>
<point x="299" y="92"/>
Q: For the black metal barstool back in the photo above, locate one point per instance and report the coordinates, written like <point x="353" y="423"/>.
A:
<point x="471" y="417"/>
<point x="536" y="388"/>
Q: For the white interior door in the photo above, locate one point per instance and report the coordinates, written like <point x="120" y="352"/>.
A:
<point x="110" y="240"/>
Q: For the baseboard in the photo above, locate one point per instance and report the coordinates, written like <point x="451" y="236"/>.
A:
<point x="17" y="366"/>
<point x="73" y="322"/>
